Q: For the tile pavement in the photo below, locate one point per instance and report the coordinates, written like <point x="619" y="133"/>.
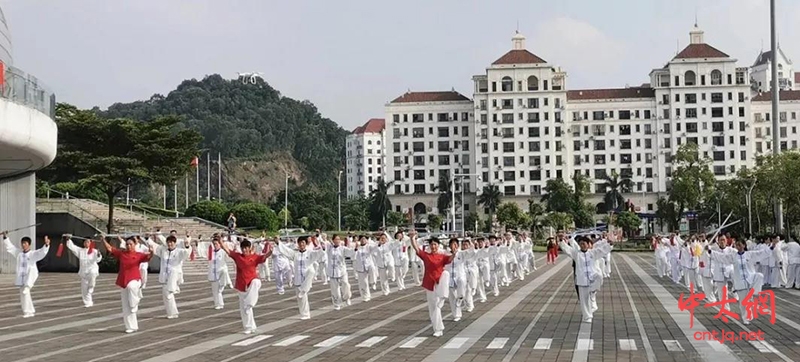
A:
<point x="553" y="306"/>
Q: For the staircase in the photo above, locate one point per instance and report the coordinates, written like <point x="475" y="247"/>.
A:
<point x="95" y="213"/>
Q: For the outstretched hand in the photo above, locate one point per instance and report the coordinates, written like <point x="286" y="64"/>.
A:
<point x="46" y="240"/>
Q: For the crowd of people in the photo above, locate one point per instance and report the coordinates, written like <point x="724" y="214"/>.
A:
<point x="724" y="265"/>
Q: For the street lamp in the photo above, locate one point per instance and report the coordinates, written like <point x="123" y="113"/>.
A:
<point x="339" y="185"/>
<point x="749" y="201"/>
<point x="453" y="194"/>
<point x="776" y="149"/>
<point x="286" y="207"/>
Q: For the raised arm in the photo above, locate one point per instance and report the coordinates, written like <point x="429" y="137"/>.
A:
<point x="41" y="253"/>
<point x="71" y="245"/>
<point x="10" y="248"/>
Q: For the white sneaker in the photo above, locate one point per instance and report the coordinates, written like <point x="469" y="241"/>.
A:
<point x="28" y="315"/>
<point x="129" y="331"/>
<point x="350" y="303"/>
<point x="305" y="318"/>
<point x="437" y="334"/>
<point x="172" y="316"/>
<point x="456" y="319"/>
<point x="587" y="320"/>
<point x="248" y="331"/>
<point x="336" y="307"/>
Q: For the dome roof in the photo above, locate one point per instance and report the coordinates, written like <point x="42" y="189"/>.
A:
<point x="5" y="41"/>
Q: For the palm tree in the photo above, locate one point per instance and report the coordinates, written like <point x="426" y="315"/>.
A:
<point x="379" y="202"/>
<point x="445" y="196"/>
<point x="535" y="211"/>
<point x="490" y="199"/>
<point x="615" y="185"/>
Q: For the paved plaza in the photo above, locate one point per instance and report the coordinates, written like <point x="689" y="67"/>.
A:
<point x="536" y="319"/>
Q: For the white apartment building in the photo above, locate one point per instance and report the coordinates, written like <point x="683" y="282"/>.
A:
<point x="365" y="157"/>
<point x="429" y="135"/>
<point x="529" y="127"/>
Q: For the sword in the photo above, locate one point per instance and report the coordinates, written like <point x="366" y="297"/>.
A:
<point x="22" y="228"/>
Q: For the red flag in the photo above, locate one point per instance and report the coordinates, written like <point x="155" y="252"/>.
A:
<point x="60" y="250"/>
<point x="195" y="161"/>
<point x="210" y="252"/>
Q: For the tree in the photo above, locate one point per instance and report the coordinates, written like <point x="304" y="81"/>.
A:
<point x="213" y="211"/>
<point x="583" y="216"/>
<point x="511" y="216"/>
<point x="435" y="222"/>
<point x="693" y="183"/>
<point x="471" y="220"/>
<point x="285" y="216"/>
<point x="535" y="213"/>
<point x="558" y="220"/>
<point x="355" y="213"/>
<point x="111" y="154"/>
<point x="445" y="198"/>
<point x="628" y="221"/>
<point x="666" y="211"/>
<point x="558" y="196"/>
<point x="490" y="199"/>
<point x="260" y="216"/>
<point x="395" y="218"/>
<point x="615" y="186"/>
<point x="379" y="202"/>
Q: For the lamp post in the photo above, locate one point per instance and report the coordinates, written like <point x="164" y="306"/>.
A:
<point x="286" y="207"/>
<point x="749" y="207"/>
<point x="453" y="195"/>
<point x="775" y="115"/>
<point x="339" y="185"/>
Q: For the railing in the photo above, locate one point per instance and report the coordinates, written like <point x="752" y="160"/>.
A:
<point x="25" y="89"/>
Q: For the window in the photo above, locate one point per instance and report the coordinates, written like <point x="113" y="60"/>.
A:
<point x="624" y="114"/>
<point x="533" y="83"/>
<point x="691" y="112"/>
<point x="507" y="85"/>
<point x="690" y="98"/>
<point x="598" y="115"/>
<point x="689" y="78"/>
<point x="717" y="112"/>
<point x="716" y="78"/>
<point x="716" y="97"/>
<point x="625" y="130"/>
<point x="509" y="190"/>
<point x="691" y="127"/>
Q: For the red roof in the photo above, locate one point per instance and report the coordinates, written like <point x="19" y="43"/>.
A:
<point x="612" y="93"/>
<point x="519" y="56"/>
<point x="416" y="97"/>
<point x="374" y="125"/>
<point x="702" y="50"/>
<point x="784" y="95"/>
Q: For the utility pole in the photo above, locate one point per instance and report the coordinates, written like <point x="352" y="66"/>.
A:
<point x="208" y="175"/>
<point x="219" y="176"/>
<point x="775" y="114"/>
<point x="339" y="186"/>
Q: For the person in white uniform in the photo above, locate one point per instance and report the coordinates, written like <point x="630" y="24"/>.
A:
<point x="587" y="277"/>
<point x="382" y="254"/>
<point x="304" y="260"/>
<point x="458" y="280"/>
<point x="482" y="262"/>
<point x="171" y="272"/>
<point x="143" y="246"/>
<point x="88" y="257"/>
<point x="400" y="246"/>
<point x="792" y="250"/>
<point x="745" y="278"/>
<point x="363" y="266"/>
<point x="282" y="268"/>
<point x="263" y="268"/>
<point x="26" y="269"/>
<point x="337" y="271"/>
<point x="218" y="273"/>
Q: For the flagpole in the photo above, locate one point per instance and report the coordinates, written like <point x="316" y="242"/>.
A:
<point x="197" y="180"/>
<point x="219" y="176"/>
<point x="208" y="175"/>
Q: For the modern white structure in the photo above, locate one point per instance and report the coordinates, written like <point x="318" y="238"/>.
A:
<point x="27" y="143"/>
<point x="365" y="157"/>
<point x="525" y="126"/>
<point x="430" y="137"/>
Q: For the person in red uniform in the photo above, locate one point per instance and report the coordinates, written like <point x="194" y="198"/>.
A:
<point x="247" y="282"/>
<point x="552" y="251"/>
<point x="436" y="286"/>
<point x="129" y="278"/>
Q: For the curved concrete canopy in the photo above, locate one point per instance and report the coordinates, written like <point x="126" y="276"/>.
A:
<point x="28" y="139"/>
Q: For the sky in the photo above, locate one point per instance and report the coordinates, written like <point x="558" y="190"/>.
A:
<point x="351" y="57"/>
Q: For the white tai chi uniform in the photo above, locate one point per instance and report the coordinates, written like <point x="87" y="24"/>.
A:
<point x="282" y="268"/>
<point x="662" y="259"/>
<point x="401" y="259"/>
<point x="497" y="264"/>
<point x="144" y="249"/>
<point x="170" y="274"/>
<point x="263" y="268"/>
<point x="689" y="262"/>
<point x="88" y="270"/>
<point x="473" y="277"/>
<point x="777" y="264"/>
<point x="721" y="273"/>
<point x="587" y="277"/>
<point x="417" y="268"/>
<point x="303" y="273"/>
<point x="337" y="271"/>
<point x="792" y="250"/>
<point x="458" y="283"/>
<point x="363" y="266"/>
<point x="674" y="258"/>
<point x="745" y="278"/>
<point x="27" y="273"/>
<point x="484" y="274"/>
<point x="218" y="275"/>
<point x="382" y="254"/>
